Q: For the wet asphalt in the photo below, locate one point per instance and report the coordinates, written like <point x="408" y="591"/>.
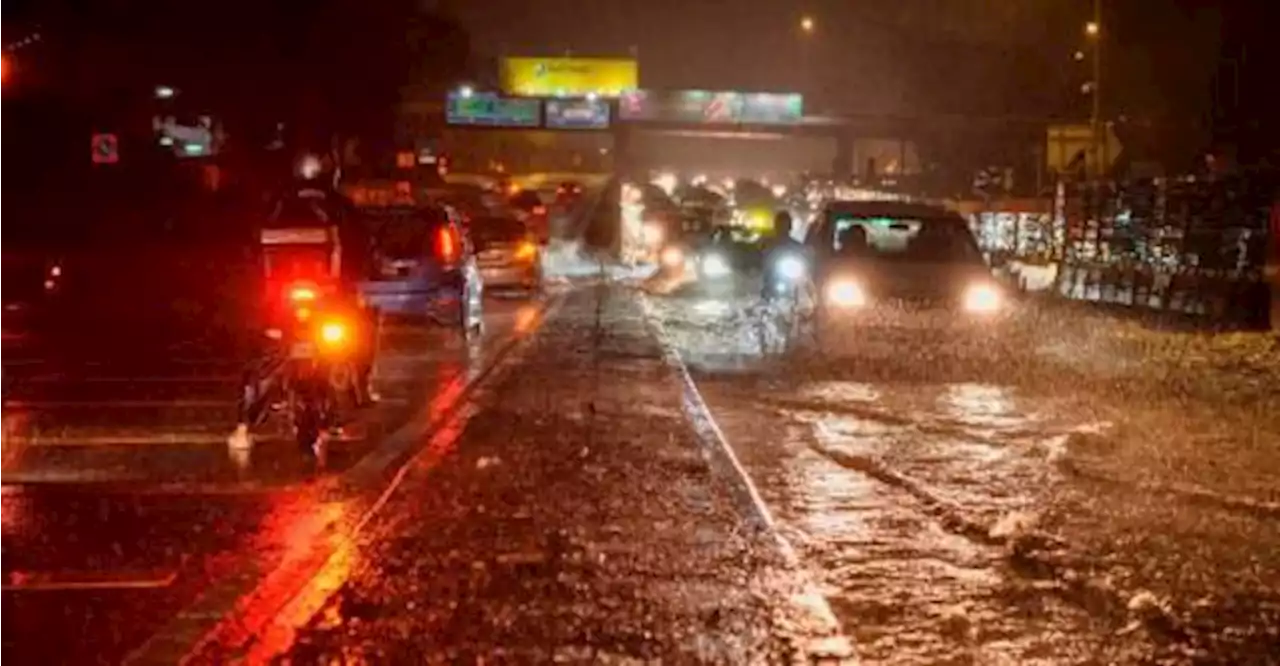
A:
<point x="122" y="502"/>
<point x="574" y="519"/>
<point x="1066" y="487"/>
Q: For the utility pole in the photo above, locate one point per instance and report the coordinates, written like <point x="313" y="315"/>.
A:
<point x="1094" y="31"/>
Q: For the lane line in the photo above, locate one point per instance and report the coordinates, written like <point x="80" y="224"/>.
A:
<point x="180" y="403"/>
<point x="62" y="581"/>
<point x="831" y="642"/>
<point x="191" y="403"/>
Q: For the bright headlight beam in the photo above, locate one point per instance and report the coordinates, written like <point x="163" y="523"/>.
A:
<point x="846" y="293"/>
<point x="791" y="268"/>
<point x="982" y="298"/>
<point x="714" y="265"/>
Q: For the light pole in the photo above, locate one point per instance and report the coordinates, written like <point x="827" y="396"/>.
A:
<point x="807" y="28"/>
<point x="1093" y="30"/>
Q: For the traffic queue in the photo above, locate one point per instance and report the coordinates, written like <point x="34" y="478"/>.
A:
<point x="834" y="263"/>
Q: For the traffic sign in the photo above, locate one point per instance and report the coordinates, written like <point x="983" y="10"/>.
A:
<point x="105" y="149"/>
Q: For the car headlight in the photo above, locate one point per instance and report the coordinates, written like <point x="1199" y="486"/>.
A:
<point x="846" y="294"/>
<point x="672" y="257"/>
<point x="983" y="298"/>
<point x="715" y="265"/>
<point x="791" y="268"/>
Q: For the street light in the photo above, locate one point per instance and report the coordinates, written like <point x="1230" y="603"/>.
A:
<point x="806" y="23"/>
<point x="1099" y="144"/>
<point x="466" y="92"/>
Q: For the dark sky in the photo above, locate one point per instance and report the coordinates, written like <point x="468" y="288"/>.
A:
<point x="988" y="57"/>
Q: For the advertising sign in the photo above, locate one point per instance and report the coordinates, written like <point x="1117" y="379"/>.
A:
<point x="493" y="111"/>
<point x="577" y="114"/>
<point x="568" y="77"/>
<point x="700" y="106"/>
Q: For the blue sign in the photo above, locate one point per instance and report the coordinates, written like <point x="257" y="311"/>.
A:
<point x="577" y="114"/>
<point x="490" y="110"/>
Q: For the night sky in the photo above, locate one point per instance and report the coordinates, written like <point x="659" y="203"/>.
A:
<point x="988" y="57"/>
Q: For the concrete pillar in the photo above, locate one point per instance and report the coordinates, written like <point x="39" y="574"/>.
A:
<point x="622" y="159"/>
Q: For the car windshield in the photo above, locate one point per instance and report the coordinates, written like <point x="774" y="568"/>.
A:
<point x="939" y="239"/>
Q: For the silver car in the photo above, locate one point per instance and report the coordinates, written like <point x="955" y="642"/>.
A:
<point x="508" y="255"/>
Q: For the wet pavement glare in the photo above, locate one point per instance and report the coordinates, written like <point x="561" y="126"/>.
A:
<point x="1052" y="494"/>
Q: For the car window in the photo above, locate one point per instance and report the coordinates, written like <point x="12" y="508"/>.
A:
<point x="498" y="230"/>
<point x="407" y="234"/>
<point x="931" y="239"/>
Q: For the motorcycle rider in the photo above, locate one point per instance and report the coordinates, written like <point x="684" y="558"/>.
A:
<point x="312" y="201"/>
<point x="318" y="194"/>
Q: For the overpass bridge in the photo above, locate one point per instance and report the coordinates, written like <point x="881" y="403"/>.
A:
<point x="846" y="132"/>
<point x="854" y="141"/>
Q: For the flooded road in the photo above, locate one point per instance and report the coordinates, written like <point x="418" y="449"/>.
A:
<point x="1043" y="496"/>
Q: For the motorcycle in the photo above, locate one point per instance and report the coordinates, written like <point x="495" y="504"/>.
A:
<point x="314" y="344"/>
<point x="309" y="368"/>
<point x="788" y="301"/>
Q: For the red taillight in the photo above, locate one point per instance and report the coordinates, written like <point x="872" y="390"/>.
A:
<point x="539" y="210"/>
<point x="446" y="244"/>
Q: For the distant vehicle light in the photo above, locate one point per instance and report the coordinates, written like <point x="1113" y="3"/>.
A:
<point x="309" y="166"/>
<point x="55" y="271"/>
<point x="539" y="210"/>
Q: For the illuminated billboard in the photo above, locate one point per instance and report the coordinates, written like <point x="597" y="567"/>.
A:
<point x="701" y="106"/>
<point x="569" y="77"/>
<point x="492" y="111"/>
<point x="577" y="114"/>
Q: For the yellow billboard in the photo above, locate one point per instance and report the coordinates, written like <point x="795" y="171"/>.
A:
<point x="569" y="77"/>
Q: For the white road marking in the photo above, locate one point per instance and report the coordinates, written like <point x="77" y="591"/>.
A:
<point x="832" y="644"/>
<point x="58" y="581"/>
